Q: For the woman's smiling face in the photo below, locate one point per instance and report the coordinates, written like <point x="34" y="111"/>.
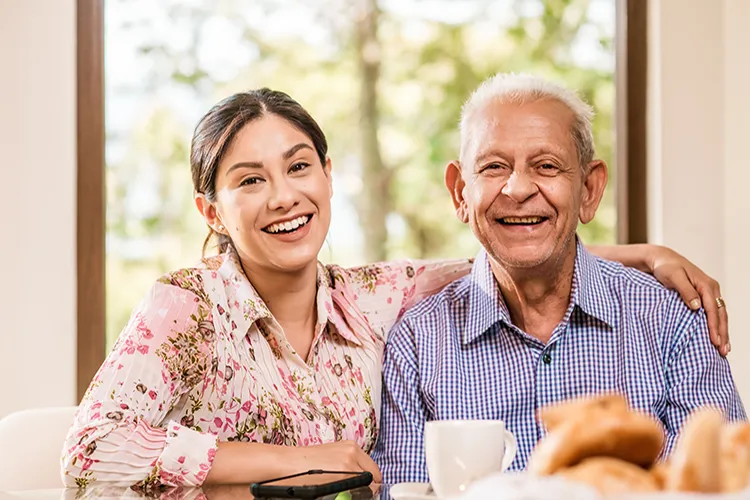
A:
<point x="273" y="196"/>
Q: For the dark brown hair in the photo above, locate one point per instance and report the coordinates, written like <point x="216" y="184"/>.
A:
<point x="216" y="130"/>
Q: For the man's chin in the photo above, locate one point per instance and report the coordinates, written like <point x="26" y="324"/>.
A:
<point x="541" y="255"/>
<point x="522" y="258"/>
<point x="522" y="263"/>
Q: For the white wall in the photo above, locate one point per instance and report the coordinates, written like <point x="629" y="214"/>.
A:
<point x="699" y="166"/>
<point x="38" y="166"/>
<point x="736" y="213"/>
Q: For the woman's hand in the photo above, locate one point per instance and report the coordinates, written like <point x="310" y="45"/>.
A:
<point x="695" y="287"/>
<point x="243" y="463"/>
<point x="343" y="456"/>
<point x="677" y="273"/>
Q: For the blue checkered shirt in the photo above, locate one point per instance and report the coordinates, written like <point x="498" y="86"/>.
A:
<point x="457" y="355"/>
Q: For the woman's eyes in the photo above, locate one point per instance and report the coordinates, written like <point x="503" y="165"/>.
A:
<point x="250" y="181"/>
<point x="296" y="167"/>
<point x="299" y="166"/>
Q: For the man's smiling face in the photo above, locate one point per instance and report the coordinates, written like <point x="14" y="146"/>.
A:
<point x="522" y="187"/>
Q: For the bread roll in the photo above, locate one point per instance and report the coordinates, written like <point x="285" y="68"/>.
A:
<point x="611" y="476"/>
<point x="552" y="416"/>
<point x="694" y="464"/>
<point x="735" y="457"/>
<point x="659" y="472"/>
<point x="630" y="436"/>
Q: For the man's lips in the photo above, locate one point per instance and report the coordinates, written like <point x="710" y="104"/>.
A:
<point x="526" y="220"/>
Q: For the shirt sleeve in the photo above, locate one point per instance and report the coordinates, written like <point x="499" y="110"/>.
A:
<point x="399" y="451"/>
<point x="384" y="291"/>
<point x="697" y="375"/>
<point x="121" y="433"/>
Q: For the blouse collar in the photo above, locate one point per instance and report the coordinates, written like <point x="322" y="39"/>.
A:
<point x="334" y="301"/>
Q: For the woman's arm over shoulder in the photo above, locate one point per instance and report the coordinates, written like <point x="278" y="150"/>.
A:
<point x="383" y="291"/>
<point x="675" y="272"/>
<point x="431" y="276"/>
<point x="119" y="434"/>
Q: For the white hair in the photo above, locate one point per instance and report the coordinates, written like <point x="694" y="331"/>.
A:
<point x="524" y="88"/>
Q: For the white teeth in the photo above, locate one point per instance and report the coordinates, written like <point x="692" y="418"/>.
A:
<point x="522" y="220"/>
<point x="288" y="226"/>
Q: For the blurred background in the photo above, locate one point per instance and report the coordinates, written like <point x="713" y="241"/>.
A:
<point x="385" y="79"/>
<point x="98" y="100"/>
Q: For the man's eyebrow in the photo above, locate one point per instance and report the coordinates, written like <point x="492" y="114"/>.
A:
<point x="493" y="153"/>
<point x="547" y="150"/>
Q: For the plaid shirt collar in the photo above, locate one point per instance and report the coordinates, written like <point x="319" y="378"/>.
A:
<point x="589" y="293"/>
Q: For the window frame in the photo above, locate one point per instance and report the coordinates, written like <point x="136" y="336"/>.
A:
<point x="90" y="198"/>
<point x="631" y="65"/>
<point x="630" y="110"/>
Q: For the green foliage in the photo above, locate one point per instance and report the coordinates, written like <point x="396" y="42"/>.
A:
<point x="428" y="67"/>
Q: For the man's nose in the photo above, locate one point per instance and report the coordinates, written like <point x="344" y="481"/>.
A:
<point x="283" y="195"/>
<point x="520" y="187"/>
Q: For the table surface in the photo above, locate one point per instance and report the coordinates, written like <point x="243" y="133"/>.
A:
<point x="242" y="492"/>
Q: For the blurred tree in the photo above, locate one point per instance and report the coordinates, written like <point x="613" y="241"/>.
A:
<point x="386" y="80"/>
<point x="374" y="202"/>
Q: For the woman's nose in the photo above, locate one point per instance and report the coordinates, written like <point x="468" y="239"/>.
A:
<point x="283" y="195"/>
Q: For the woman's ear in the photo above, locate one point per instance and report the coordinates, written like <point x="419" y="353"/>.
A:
<point x="327" y="169"/>
<point x="209" y="212"/>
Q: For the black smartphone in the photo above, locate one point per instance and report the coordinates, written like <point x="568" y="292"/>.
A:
<point x="311" y="484"/>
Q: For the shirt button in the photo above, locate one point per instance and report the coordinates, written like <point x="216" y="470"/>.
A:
<point x="547" y="358"/>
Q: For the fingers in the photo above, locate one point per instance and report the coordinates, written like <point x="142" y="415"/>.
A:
<point x="698" y="289"/>
<point x="718" y="322"/>
<point x="724" y="329"/>
<point x="680" y="282"/>
<point x="369" y="465"/>
<point x="360" y="460"/>
<point x="712" y="315"/>
<point x="726" y="345"/>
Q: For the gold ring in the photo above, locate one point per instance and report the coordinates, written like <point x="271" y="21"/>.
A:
<point x="720" y="302"/>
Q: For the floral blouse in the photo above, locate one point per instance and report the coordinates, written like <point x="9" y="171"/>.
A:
<point x="203" y="360"/>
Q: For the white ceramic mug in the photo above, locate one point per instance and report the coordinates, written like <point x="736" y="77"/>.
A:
<point x="459" y="452"/>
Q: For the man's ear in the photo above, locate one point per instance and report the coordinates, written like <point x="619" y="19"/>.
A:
<point x="209" y="213"/>
<point x="454" y="181"/>
<point x="594" y="183"/>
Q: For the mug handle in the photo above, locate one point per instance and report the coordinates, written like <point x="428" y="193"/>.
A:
<point x="511" y="446"/>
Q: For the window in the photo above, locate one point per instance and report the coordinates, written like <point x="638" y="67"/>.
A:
<point x="416" y="61"/>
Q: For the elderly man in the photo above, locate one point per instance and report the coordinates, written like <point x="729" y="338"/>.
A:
<point x="539" y="319"/>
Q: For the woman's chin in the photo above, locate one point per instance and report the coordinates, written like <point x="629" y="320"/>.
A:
<point x="294" y="262"/>
<point x="285" y="257"/>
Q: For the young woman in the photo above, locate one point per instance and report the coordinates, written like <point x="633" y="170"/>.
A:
<point x="261" y="362"/>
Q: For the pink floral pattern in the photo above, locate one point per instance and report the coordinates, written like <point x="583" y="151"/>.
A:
<point x="202" y="360"/>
